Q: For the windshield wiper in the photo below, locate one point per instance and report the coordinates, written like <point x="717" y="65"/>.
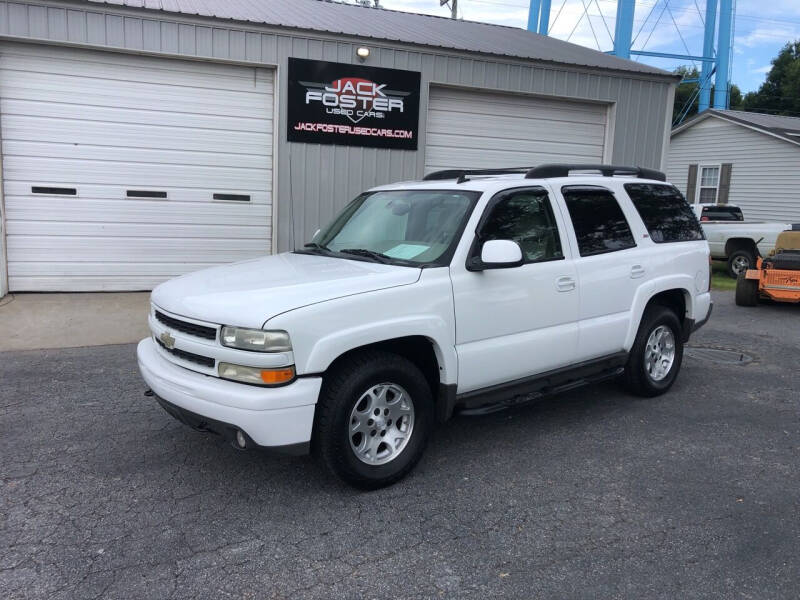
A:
<point x="316" y="246"/>
<point x="381" y="258"/>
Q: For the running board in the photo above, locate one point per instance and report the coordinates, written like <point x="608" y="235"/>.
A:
<point x="481" y="402"/>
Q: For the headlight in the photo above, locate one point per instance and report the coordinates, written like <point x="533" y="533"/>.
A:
<point x="256" y="340"/>
<point x="256" y="375"/>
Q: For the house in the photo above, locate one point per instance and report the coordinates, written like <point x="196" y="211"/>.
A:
<point x="145" y="139"/>
<point x="748" y="159"/>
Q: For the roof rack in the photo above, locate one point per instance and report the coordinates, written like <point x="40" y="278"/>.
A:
<point x="563" y="170"/>
<point x="461" y="174"/>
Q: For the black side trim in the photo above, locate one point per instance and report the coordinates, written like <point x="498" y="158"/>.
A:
<point x="53" y="191"/>
<point x="145" y="194"/>
<point x="225" y="430"/>
<point x="550" y="382"/>
<point x="237" y="197"/>
<point x="698" y="324"/>
<point x="446" y="401"/>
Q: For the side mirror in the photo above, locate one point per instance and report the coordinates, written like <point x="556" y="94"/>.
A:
<point x="497" y="254"/>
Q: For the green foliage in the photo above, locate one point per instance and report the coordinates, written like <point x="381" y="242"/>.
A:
<point x="780" y="93"/>
<point x="686" y="91"/>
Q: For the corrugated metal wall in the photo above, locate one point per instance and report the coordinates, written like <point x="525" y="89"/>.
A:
<point x="314" y="181"/>
<point x="765" y="176"/>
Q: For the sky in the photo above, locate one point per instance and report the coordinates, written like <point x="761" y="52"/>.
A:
<point x="675" y="26"/>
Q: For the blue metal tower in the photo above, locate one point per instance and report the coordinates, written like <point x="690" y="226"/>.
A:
<point x="715" y="59"/>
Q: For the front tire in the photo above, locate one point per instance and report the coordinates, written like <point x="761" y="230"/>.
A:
<point x="746" y="291"/>
<point x="657" y="353"/>
<point x="373" y="419"/>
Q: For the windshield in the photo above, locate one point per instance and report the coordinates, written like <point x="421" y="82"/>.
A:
<point x="400" y="226"/>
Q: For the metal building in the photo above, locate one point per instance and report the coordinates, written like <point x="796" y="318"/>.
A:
<point x="142" y="139"/>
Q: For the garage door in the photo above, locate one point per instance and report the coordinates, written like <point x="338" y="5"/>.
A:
<point x="122" y="171"/>
<point x="468" y="129"/>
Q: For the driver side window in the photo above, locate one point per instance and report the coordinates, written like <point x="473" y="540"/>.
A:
<point x="525" y="217"/>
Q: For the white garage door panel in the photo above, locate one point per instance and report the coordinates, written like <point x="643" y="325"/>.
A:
<point x="130" y="211"/>
<point x="139" y="155"/>
<point x="59" y="171"/>
<point x="115" y="250"/>
<point x="63" y="116"/>
<point x="477" y="129"/>
<point x="106" y="123"/>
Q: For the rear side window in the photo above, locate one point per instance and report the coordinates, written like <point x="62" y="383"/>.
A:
<point x="667" y="216"/>
<point x="599" y="223"/>
<point x="722" y="213"/>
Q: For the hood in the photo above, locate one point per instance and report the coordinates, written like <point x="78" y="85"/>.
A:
<point x="251" y="292"/>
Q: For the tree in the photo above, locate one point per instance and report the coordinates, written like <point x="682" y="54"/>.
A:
<point x="780" y="92"/>
<point x="688" y="91"/>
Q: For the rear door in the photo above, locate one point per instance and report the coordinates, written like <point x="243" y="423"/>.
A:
<point x="610" y="268"/>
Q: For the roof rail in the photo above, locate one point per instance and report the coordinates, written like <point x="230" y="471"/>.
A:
<point x="462" y="174"/>
<point x="563" y="170"/>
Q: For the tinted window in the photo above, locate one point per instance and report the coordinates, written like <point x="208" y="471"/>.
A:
<point x="666" y="214"/>
<point x="722" y="213"/>
<point x="597" y="219"/>
<point x="526" y="218"/>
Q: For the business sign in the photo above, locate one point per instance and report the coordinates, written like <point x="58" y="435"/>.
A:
<point x="352" y="105"/>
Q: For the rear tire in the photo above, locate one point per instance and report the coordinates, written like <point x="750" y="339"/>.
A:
<point x="746" y="291"/>
<point x="657" y="353"/>
<point x="739" y="261"/>
<point x="354" y="442"/>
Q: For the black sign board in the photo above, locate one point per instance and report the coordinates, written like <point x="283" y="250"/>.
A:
<point x="352" y="105"/>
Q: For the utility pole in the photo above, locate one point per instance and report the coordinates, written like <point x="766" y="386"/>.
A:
<point x="453" y="4"/>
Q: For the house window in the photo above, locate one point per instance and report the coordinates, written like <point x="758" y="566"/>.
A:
<point x="708" y="184"/>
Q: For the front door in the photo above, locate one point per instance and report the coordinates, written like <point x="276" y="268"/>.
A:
<point x="516" y="322"/>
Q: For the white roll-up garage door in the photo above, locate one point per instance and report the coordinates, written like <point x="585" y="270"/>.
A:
<point x="121" y="171"/>
<point x="477" y="129"/>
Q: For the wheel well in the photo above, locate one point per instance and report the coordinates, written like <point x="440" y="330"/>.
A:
<point x="735" y="244"/>
<point x="673" y="299"/>
<point x="415" y="348"/>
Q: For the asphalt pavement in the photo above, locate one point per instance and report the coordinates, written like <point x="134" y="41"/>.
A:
<point x="591" y="494"/>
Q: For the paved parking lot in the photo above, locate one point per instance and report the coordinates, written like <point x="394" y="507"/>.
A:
<point x="594" y="494"/>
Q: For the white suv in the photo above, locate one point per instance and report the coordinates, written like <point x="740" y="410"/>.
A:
<point x="465" y="290"/>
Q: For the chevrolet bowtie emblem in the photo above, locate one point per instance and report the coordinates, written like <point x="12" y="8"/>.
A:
<point x="168" y="340"/>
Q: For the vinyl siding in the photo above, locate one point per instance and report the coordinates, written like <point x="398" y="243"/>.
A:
<point x="765" y="179"/>
<point x="314" y="181"/>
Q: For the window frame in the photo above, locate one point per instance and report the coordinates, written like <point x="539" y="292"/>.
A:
<point x="622" y="211"/>
<point x="699" y="179"/>
<point x="478" y="239"/>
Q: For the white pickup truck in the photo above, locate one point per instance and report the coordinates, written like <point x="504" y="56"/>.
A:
<point x="735" y="240"/>
<point x="461" y="291"/>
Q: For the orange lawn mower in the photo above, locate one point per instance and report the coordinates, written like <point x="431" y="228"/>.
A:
<point x="776" y="277"/>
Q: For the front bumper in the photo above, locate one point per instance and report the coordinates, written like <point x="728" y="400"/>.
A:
<point x="270" y="417"/>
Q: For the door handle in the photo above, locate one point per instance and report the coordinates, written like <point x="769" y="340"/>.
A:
<point x="565" y="284"/>
<point x="637" y="271"/>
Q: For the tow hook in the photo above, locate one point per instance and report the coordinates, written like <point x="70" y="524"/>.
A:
<point x="149" y="393"/>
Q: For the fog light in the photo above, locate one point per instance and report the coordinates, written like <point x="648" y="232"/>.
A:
<point x="256" y="375"/>
<point x="240" y="439"/>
